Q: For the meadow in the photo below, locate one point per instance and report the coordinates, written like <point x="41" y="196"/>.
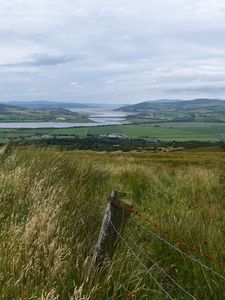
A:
<point x="167" y="131"/>
<point x="177" y="131"/>
<point x="52" y="204"/>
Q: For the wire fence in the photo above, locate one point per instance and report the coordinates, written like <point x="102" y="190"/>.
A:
<point x="162" y="271"/>
<point x="168" y="243"/>
<point x="182" y="243"/>
<point x="156" y="271"/>
<point x="148" y="270"/>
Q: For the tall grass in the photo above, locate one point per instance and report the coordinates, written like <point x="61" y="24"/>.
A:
<point x="50" y="217"/>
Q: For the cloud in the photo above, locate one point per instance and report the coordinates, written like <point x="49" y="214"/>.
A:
<point x="209" y="89"/>
<point x="41" y="60"/>
<point x="110" y="81"/>
<point x="125" y="50"/>
<point x="76" y="85"/>
<point x="47" y="60"/>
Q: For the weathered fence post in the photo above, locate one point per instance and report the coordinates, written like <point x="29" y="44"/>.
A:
<point x="115" y="218"/>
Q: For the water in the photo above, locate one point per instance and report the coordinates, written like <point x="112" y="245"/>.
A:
<point x="46" y="125"/>
<point x="104" y="116"/>
<point x="98" y="115"/>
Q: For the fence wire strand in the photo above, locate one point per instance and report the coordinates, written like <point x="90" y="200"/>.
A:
<point x="160" y="268"/>
<point x="193" y="259"/>
<point x="144" y="266"/>
<point x="181" y="242"/>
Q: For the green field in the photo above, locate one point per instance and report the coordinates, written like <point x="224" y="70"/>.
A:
<point x="18" y="134"/>
<point x="167" y="131"/>
<point x="52" y="205"/>
<point x="71" y="131"/>
<point x="184" y="131"/>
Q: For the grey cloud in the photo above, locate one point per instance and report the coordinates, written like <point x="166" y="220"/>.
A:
<point x="41" y="60"/>
<point x="118" y="50"/>
<point x="212" y="90"/>
<point x="48" y="60"/>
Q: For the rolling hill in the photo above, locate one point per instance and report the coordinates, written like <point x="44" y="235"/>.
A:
<point x="4" y="108"/>
<point x="170" y="104"/>
<point x="9" y="113"/>
<point x="203" y="110"/>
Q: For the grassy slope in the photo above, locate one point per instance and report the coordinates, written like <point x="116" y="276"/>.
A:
<point x="50" y="221"/>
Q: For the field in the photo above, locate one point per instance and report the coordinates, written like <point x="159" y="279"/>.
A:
<point x="30" y="134"/>
<point x="180" y="131"/>
<point x="52" y="204"/>
<point x="167" y="131"/>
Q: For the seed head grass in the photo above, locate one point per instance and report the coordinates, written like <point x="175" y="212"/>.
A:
<point x="51" y="212"/>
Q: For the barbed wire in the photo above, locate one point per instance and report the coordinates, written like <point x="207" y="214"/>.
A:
<point x="130" y="242"/>
<point x="181" y="242"/>
<point x="193" y="259"/>
<point x="160" y="268"/>
<point x="144" y="266"/>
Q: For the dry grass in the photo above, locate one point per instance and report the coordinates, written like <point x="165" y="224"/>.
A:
<point x="49" y="222"/>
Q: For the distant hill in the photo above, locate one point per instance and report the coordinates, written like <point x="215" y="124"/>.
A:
<point x="178" y="110"/>
<point x="16" y="113"/>
<point x="153" y="104"/>
<point x="52" y="104"/>
<point x="5" y="108"/>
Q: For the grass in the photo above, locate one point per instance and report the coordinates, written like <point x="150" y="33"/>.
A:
<point x="82" y="131"/>
<point x="167" y="131"/>
<point x="180" y="131"/>
<point x="50" y="218"/>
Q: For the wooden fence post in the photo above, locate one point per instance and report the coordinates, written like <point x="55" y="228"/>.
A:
<point x="114" y="221"/>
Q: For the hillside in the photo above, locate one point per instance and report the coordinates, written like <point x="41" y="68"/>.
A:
<point x="22" y="114"/>
<point x="203" y="110"/>
<point x="52" y="205"/>
<point x="4" y="108"/>
<point x="149" y="105"/>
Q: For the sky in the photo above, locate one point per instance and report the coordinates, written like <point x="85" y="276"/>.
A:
<point x="118" y="51"/>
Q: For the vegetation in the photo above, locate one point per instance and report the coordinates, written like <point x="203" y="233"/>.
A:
<point x="96" y="144"/>
<point x="178" y="131"/>
<point x="115" y="144"/>
<point x="22" y="114"/>
<point x="167" y="131"/>
<point x="203" y="110"/>
<point x="51" y="214"/>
